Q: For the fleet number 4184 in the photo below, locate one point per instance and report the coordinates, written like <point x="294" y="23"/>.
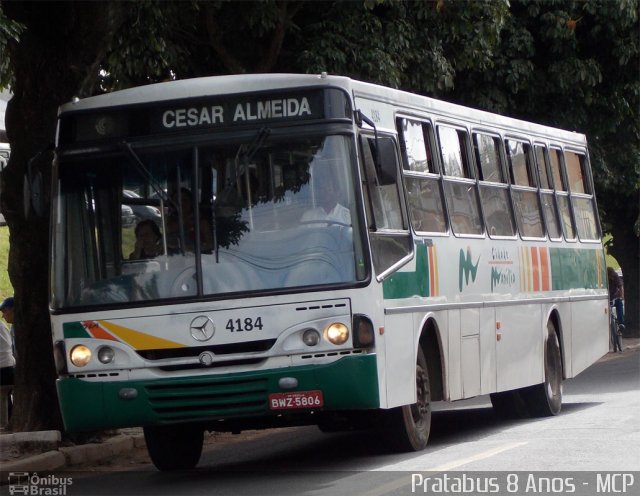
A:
<point x="246" y="324"/>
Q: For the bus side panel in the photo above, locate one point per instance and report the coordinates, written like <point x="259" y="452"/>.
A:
<point x="400" y="353"/>
<point x="454" y="352"/>
<point x="488" y="336"/>
<point x="590" y="333"/>
<point x="519" y="352"/>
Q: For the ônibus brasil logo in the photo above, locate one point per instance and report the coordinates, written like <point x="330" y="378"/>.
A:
<point x="467" y="268"/>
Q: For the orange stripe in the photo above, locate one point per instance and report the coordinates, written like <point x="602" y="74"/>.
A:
<point x="98" y="332"/>
<point x="544" y="259"/>
<point x="432" y="274"/>
<point x="536" y="269"/>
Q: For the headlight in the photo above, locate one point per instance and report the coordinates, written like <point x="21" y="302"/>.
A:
<point x="80" y="355"/>
<point x="106" y="354"/>
<point x="311" y="337"/>
<point x="337" y="333"/>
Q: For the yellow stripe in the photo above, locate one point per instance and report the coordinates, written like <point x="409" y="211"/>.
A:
<point x="139" y="340"/>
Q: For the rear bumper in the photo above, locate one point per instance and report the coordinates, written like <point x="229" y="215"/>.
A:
<point x="347" y="384"/>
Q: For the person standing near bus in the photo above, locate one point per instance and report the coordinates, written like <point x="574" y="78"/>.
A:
<point x="616" y="295"/>
<point x="7" y="362"/>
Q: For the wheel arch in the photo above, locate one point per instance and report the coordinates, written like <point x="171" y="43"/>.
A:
<point x="431" y="344"/>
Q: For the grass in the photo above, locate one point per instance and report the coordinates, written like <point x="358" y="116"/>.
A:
<point x="5" y="285"/>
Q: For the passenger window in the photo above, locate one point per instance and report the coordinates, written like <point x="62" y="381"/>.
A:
<point x="518" y="154"/>
<point x="556" y="172"/>
<point x="525" y="197"/>
<point x="575" y="167"/>
<point x="424" y="189"/>
<point x="416" y="149"/>
<point x="454" y="152"/>
<point x="542" y="167"/>
<point x="426" y="204"/>
<point x="584" y="208"/>
<point x="487" y="150"/>
<point x="493" y="189"/>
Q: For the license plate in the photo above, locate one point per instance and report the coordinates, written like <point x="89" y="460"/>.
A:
<point x="296" y="399"/>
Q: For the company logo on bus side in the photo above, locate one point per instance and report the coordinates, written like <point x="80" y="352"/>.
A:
<point x="243" y="112"/>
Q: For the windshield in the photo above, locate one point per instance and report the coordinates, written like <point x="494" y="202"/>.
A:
<point x="202" y="221"/>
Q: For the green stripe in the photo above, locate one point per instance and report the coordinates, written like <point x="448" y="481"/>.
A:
<point x="408" y="284"/>
<point x="573" y="268"/>
<point x="74" y="330"/>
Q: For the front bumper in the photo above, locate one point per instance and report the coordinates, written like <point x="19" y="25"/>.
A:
<point x="347" y="384"/>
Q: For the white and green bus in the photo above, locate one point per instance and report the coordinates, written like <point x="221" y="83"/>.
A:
<point x="323" y="251"/>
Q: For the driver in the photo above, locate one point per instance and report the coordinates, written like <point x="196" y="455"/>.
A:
<point x="328" y="208"/>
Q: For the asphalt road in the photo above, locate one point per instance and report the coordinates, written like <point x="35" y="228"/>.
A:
<point x="598" y="430"/>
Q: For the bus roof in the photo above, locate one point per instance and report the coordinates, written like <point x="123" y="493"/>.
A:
<point x="403" y="101"/>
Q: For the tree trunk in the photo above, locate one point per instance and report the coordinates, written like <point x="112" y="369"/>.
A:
<point x="52" y="61"/>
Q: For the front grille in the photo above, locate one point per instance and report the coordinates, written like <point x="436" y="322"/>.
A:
<point x="218" y="349"/>
<point x="207" y="399"/>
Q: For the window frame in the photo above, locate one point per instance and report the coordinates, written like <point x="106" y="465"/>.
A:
<point x="503" y="185"/>
<point x="466" y="152"/>
<point x="428" y="132"/>
<point x="516" y="188"/>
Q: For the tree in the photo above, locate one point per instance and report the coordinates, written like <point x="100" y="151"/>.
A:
<point x="45" y="72"/>
<point x="574" y="65"/>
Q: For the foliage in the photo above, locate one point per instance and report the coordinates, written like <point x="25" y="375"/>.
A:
<point x="5" y="285"/>
<point x="9" y="31"/>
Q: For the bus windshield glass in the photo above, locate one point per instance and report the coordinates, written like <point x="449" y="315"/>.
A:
<point x="254" y="215"/>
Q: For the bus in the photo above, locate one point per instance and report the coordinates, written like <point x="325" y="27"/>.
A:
<point x="325" y="251"/>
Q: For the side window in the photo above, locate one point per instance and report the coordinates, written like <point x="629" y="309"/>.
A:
<point x="547" y="197"/>
<point x="575" y="172"/>
<point x="523" y="190"/>
<point x="487" y="150"/>
<point x="415" y="146"/>
<point x="460" y="188"/>
<point x="453" y="152"/>
<point x="584" y="208"/>
<point x="423" y="186"/>
<point x="562" y="197"/>
<point x="494" y="190"/>
<point x="390" y="237"/>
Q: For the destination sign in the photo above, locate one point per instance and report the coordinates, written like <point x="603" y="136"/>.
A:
<point x="260" y="110"/>
<point x="203" y="113"/>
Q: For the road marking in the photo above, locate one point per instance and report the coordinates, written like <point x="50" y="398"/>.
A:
<point x="475" y="458"/>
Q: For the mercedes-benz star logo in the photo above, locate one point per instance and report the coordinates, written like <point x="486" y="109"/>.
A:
<point x="202" y="328"/>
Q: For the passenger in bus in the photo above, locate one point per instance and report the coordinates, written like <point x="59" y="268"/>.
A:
<point x="178" y="242"/>
<point x="148" y="241"/>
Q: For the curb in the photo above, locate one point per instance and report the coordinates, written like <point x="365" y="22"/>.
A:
<point x="64" y="456"/>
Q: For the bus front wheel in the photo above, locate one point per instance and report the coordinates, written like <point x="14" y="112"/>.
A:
<point x="174" y="447"/>
<point x="407" y="428"/>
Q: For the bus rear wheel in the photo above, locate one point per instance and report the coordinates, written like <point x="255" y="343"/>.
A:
<point x="545" y="400"/>
<point x="174" y="447"/>
<point x="407" y="428"/>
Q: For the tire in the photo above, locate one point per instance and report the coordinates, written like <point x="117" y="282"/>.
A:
<point x="174" y="447"/>
<point x="407" y="428"/>
<point x="545" y="400"/>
